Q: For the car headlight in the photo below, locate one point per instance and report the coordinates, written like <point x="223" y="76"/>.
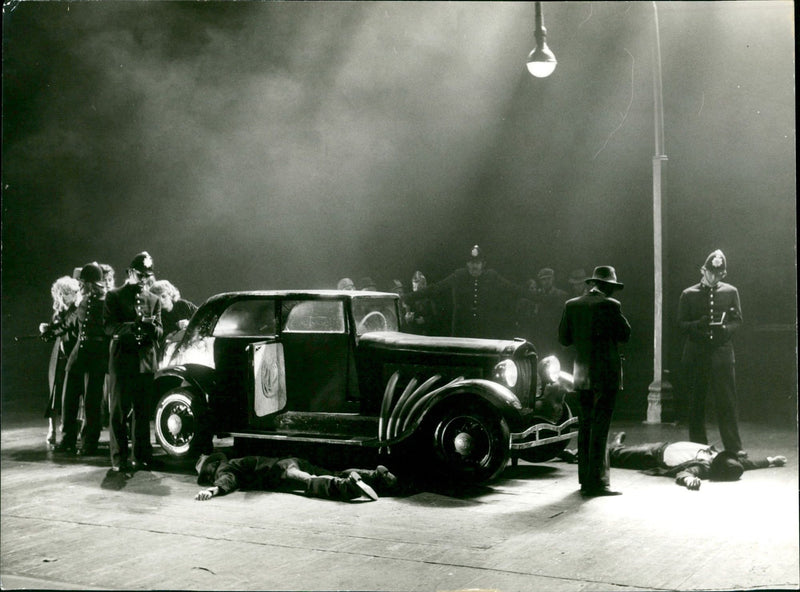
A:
<point x="549" y="369"/>
<point x="506" y="372"/>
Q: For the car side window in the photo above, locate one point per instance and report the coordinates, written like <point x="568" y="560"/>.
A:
<point x="313" y="316"/>
<point x="247" y="318"/>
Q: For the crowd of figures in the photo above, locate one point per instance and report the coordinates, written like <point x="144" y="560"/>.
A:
<point x="106" y="344"/>
<point x="107" y="341"/>
<point x="477" y="301"/>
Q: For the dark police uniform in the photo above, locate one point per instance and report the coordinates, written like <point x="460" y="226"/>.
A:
<point x="86" y="369"/>
<point x="132" y="318"/>
<point x="482" y="305"/>
<point x="708" y="361"/>
<point x="595" y="325"/>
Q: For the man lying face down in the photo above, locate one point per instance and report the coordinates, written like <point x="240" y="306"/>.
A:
<point x="264" y="473"/>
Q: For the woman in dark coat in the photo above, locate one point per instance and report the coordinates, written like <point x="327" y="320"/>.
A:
<point x="62" y="331"/>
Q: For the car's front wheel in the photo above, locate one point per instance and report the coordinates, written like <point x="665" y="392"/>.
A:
<point x="180" y="420"/>
<point x="470" y="444"/>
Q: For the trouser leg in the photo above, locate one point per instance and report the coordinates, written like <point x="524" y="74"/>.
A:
<point x="640" y="456"/>
<point x="142" y="448"/>
<point x="598" y="453"/>
<point x="52" y="429"/>
<point x="586" y="399"/>
<point x="92" y="403"/>
<point x="105" y="414"/>
<point x="70" y="405"/>
<point x="316" y="481"/>
<point x="594" y="423"/>
<point x="724" y="392"/>
<point x="293" y="476"/>
<point x="119" y="406"/>
<point x="330" y="487"/>
<point x="696" y="376"/>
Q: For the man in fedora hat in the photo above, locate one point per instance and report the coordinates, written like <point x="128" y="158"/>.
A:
<point x="264" y="473"/>
<point x="132" y="318"/>
<point x="688" y="462"/>
<point x="709" y="313"/>
<point x="594" y="325"/>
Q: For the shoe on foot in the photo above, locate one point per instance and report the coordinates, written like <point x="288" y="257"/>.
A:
<point x="618" y="439"/>
<point x="386" y="478"/>
<point x="65" y="447"/>
<point x="380" y="478"/>
<point x="569" y="456"/>
<point x="598" y="492"/>
<point x="144" y="465"/>
<point x="362" y="487"/>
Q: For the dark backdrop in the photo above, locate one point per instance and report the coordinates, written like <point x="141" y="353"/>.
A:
<point x="280" y="144"/>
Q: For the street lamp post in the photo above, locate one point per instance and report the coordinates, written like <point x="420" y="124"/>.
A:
<point x="660" y="396"/>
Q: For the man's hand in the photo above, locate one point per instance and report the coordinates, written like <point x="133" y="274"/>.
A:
<point x="207" y="494"/>
<point x="691" y="482"/>
<point x="776" y="461"/>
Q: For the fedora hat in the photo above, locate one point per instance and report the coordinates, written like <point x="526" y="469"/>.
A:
<point x="607" y="275"/>
<point x="203" y="464"/>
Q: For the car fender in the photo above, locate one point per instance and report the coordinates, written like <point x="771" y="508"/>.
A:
<point x="412" y="409"/>
<point x="195" y="375"/>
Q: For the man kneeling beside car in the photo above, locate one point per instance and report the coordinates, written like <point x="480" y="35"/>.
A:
<point x="288" y="474"/>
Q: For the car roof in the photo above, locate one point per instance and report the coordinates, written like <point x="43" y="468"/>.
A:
<point x="300" y="294"/>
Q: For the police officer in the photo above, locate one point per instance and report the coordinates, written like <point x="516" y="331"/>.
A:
<point x="86" y="366"/>
<point x="480" y="298"/>
<point x="132" y="318"/>
<point x="709" y="313"/>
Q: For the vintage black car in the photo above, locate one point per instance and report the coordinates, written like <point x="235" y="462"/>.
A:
<point x="332" y="367"/>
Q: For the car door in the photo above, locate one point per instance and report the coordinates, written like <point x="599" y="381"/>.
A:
<point x="244" y="323"/>
<point x="316" y="350"/>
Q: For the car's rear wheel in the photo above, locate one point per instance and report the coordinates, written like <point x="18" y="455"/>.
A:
<point x="180" y="423"/>
<point x="470" y="444"/>
<point x="547" y="452"/>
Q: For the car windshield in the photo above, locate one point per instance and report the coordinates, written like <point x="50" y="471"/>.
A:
<point x="375" y="313"/>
